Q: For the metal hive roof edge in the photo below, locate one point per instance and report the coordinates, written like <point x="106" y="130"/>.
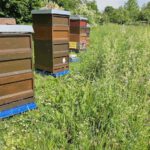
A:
<point x="16" y="29"/>
<point x="77" y="17"/>
<point x="51" y="11"/>
<point x="6" y="18"/>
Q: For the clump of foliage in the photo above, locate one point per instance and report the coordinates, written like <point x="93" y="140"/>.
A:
<point x="133" y="9"/>
<point x="119" y="16"/>
<point x="85" y="8"/>
<point x="93" y="16"/>
<point x="130" y="13"/>
<point x="68" y="4"/>
<point x="145" y="13"/>
<point x="52" y="5"/>
<point x="19" y="9"/>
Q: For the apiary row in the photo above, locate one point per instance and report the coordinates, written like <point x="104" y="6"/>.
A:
<point x="52" y="35"/>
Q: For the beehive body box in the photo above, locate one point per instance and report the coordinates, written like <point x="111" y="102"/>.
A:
<point x="51" y="40"/>
<point x="16" y="77"/>
<point x="78" y="35"/>
<point x="8" y="21"/>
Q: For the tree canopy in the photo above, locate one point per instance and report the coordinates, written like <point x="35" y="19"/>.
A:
<point x="129" y="13"/>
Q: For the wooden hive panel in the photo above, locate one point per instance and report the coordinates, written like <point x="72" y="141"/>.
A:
<point x="75" y="37"/>
<point x="60" y="20"/>
<point x="74" y="23"/>
<point x="40" y="19"/>
<point x="83" y="23"/>
<point x="77" y="30"/>
<point x="12" y="48"/>
<point x="15" y="66"/>
<point x="42" y="32"/>
<point x="60" y="35"/>
<point x="61" y="50"/>
<point x="16" y="103"/>
<point x="43" y="55"/>
<point x="78" y="23"/>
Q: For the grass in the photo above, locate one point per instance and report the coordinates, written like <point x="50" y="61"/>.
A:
<point x="103" y="104"/>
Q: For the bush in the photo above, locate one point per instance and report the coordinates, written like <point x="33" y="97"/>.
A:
<point x="21" y="10"/>
<point x="93" y="16"/>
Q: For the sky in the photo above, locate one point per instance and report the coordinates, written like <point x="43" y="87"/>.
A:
<point x="115" y="3"/>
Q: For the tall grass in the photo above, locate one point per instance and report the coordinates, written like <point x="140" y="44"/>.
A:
<point x="103" y="104"/>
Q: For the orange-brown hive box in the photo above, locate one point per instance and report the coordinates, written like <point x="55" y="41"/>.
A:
<point x="78" y="33"/>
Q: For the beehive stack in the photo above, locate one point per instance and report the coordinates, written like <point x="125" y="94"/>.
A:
<point x="51" y="40"/>
<point x="7" y="21"/>
<point x="78" y="34"/>
<point x="16" y="76"/>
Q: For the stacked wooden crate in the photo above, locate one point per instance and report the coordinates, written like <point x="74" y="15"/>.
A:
<point x="78" y="34"/>
<point x="51" y="40"/>
<point x="16" y="76"/>
<point x="7" y="21"/>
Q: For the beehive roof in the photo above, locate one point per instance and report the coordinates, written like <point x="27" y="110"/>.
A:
<point x="51" y="11"/>
<point x="77" y="17"/>
<point x="16" y="29"/>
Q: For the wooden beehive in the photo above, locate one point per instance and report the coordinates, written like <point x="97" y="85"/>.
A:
<point x="16" y="76"/>
<point x="51" y="40"/>
<point x="7" y="21"/>
<point x="78" y="33"/>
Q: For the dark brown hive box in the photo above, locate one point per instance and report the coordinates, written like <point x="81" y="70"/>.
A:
<point x="78" y="33"/>
<point x="8" y="21"/>
<point x="51" y="40"/>
<point x="16" y="76"/>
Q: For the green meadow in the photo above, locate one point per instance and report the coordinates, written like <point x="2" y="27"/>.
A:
<point x="104" y="103"/>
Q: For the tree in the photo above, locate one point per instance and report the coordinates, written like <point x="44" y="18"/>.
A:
<point x="120" y="16"/>
<point x="93" y="16"/>
<point x="68" y="4"/>
<point x="92" y="5"/>
<point x="21" y="10"/>
<point x="109" y="10"/>
<point x="145" y="13"/>
<point x="133" y="9"/>
<point x="108" y="13"/>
